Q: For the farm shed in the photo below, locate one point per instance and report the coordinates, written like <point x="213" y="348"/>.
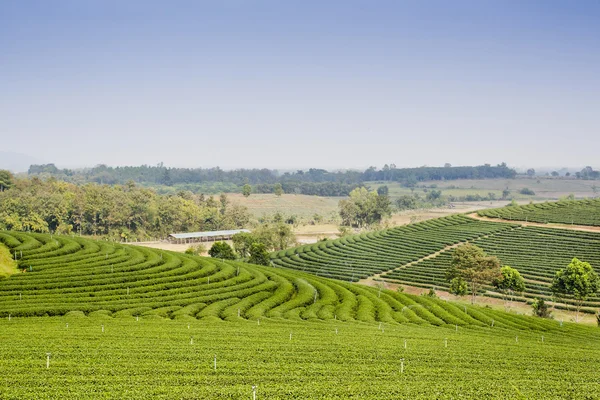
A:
<point x="211" y="236"/>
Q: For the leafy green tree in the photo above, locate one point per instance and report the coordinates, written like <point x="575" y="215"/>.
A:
<point x="383" y="190"/>
<point x="509" y="282"/>
<point x="458" y="286"/>
<point x="505" y="194"/>
<point x="221" y="250"/>
<point x="407" y="202"/>
<point x="259" y="254"/>
<point x="246" y="190"/>
<point x="6" y="180"/>
<point x="196" y="250"/>
<point x="278" y="189"/>
<point x="540" y="308"/>
<point x="433" y="195"/>
<point x="472" y="265"/>
<point x="577" y="280"/>
<point x="242" y="242"/>
<point x="364" y="208"/>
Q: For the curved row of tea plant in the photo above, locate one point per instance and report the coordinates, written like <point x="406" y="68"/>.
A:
<point x="69" y="274"/>
<point x="536" y="252"/>
<point x="357" y="257"/>
<point x="579" y="212"/>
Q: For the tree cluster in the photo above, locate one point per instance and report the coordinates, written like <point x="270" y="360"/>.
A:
<point x="120" y="212"/>
<point x="364" y="208"/>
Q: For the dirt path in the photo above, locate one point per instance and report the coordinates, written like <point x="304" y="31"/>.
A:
<point x="584" y="228"/>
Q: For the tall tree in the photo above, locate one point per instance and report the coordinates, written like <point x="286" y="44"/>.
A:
<point x="364" y="208"/>
<point x="259" y="254"/>
<point x="472" y="265"/>
<point x="509" y="282"/>
<point x="246" y="190"/>
<point x="577" y="280"/>
<point x="278" y="189"/>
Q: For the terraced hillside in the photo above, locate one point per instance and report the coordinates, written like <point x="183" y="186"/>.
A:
<point x="536" y="252"/>
<point x="139" y="323"/>
<point x="67" y="274"/>
<point x="579" y="212"/>
<point x="357" y="257"/>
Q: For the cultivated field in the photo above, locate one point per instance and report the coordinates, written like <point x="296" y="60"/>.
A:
<point x="578" y="212"/>
<point x="103" y="357"/>
<point x="288" y="204"/>
<point x="545" y="188"/>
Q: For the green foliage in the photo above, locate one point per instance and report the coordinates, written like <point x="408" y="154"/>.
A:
<point x="566" y="211"/>
<point x="275" y="236"/>
<point x="278" y="189"/>
<point x="196" y="249"/>
<point x="259" y="254"/>
<point x="242" y="242"/>
<point x="472" y="265"/>
<point x="527" y="192"/>
<point x="383" y="190"/>
<point x="431" y="294"/>
<point x="222" y="250"/>
<point x="6" y="180"/>
<point x="459" y="286"/>
<point x="116" y="212"/>
<point x="578" y="280"/>
<point x="364" y="208"/>
<point x="8" y="265"/>
<point x="246" y="190"/>
<point x="509" y="282"/>
<point x="540" y="308"/>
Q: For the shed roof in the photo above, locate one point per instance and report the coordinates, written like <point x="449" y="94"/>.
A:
<point x="192" y="235"/>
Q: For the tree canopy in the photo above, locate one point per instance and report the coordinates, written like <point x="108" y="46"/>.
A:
<point x="222" y="250"/>
<point x="472" y="265"/>
<point x="364" y="208"/>
<point x="577" y="280"/>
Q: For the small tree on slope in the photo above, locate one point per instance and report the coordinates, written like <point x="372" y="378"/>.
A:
<point x="509" y="282"/>
<point x="578" y="280"/>
<point x="470" y="264"/>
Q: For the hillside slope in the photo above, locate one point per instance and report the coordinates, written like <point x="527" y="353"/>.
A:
<point x="66" y="274"/>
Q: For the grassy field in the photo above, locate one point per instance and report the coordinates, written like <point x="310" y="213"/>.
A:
<point x="103" y="357"/>
<point x="544" y="188"/>
<point x="288" y="204"/>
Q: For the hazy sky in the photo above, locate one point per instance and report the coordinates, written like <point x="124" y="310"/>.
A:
<point x="287" y="84"/>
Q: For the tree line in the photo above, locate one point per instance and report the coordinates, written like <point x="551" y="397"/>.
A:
<point x="119" y="212"/>
<point x="313" y="181"/>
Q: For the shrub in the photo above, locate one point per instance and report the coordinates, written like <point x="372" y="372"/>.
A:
<point x="222" y="250"/>
<point x="540" y="308"/>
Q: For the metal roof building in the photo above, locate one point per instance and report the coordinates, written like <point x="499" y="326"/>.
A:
<point x="204" y="236"/>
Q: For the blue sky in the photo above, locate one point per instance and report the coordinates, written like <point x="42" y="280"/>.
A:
<point x="290" y="84"/>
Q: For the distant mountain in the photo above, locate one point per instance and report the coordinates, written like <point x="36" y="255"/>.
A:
<point x="16" y="162"/>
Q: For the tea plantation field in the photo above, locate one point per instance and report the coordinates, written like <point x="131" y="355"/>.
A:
<point x="579" y="212"/>
<point x="174" y="359"/>
<point x="92" y="319"/>
<point x="536" y="252"/>
<point x="360" y="256"/>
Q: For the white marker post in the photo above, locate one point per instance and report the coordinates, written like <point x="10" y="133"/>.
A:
<point x="405" y="343"/>
<point x="215" y="362"/>
<point x="516" y="339"/>
<point x="492" y="323"/>
<point x="238" y="312"/>
<point x="258" y="321"/>
<point x="102" y="328"/>
<point x="137" y="318"/>
<point x="336" y="331"/>
<point x="402" y="365"/>
<point x="127" y="290"/>
<point x="67" y="325"/>
<point x="48" y="360"/>
<point x="456" y="328"/>
<point x="290" y="335"/>
<point x="254" y="392"/>
<point x="20" y="296"/>
<point x="191" y="340"/>
<point x="542" y="338"/>
<point x="446" y="342"/>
